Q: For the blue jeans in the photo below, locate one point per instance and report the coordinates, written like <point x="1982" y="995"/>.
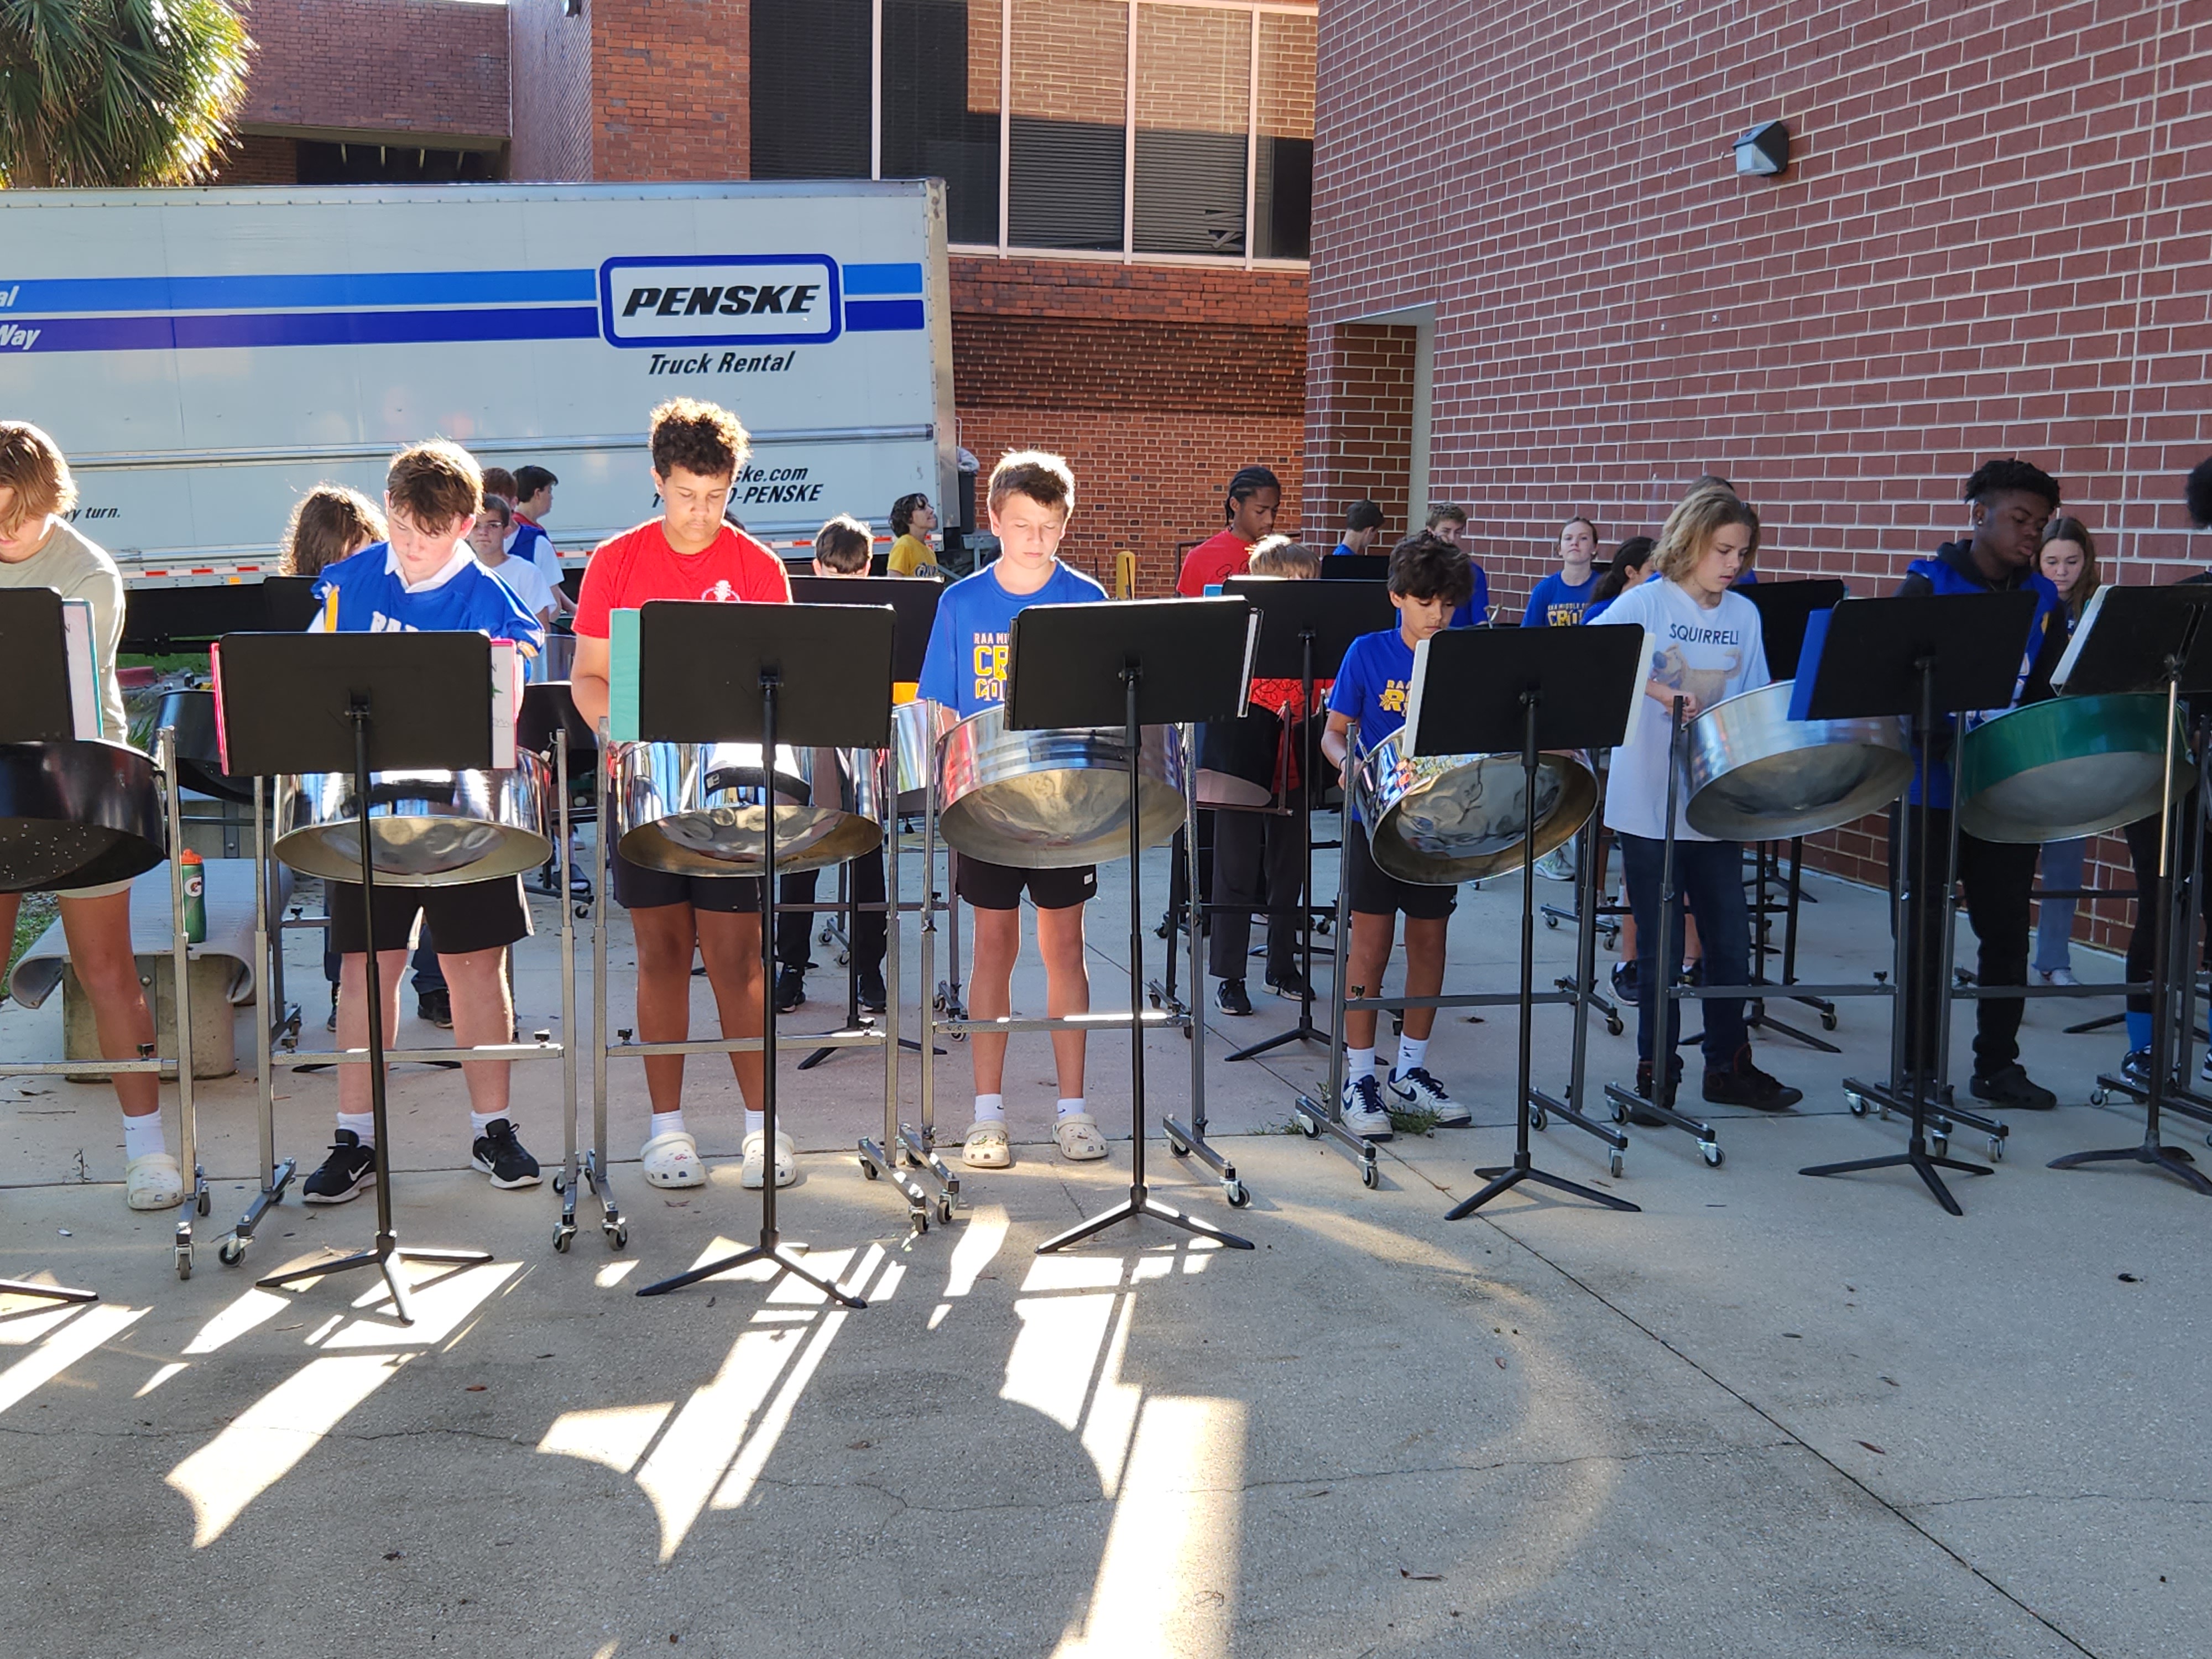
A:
<point x="1709" y="874"/>
<point x="2054" y="923"/>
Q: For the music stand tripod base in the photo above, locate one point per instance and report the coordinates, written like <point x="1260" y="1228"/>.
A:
<point x="46" y="1293"/>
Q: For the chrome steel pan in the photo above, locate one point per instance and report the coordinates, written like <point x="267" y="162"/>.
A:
<point x="1755" y="774"/>
<point x="425" y="829"/>
<point x="76" y="815"/>
<point x="701" y="809"/>
<point x="1052" y="799"/>
<point x="2068" y="767"/>
<point x="190" y="715"/>
<point x="917" y="727"/>
<point x="1443" y="819"/>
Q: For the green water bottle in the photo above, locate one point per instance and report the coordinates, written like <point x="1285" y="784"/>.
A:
<point x="195" y="897"/>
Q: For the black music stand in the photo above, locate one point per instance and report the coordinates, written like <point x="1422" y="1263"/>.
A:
<point x="1354" y="568"/>
<point x="34" y="708"/>
<point x="359" y="703"/>
<point x="916" y="603"/>
<point x="1134" y="664"/>
<point x="2149" y="639"/>
<point x="807" y="676"/>
<point x="1926" y="657"/>
<point x="1304" y="631"/>
<point x="1486" y="691"/>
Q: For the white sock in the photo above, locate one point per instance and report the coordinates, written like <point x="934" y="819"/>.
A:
<point x="1412" y="1051"/>
<point x="1071" y="1104"/>
<point x="756" y="1123"/>
<point x="361" y="1123"/>
<point x="990" y="1108"/>
<point x="667" y="1123"/>
<point x="1359" y="1063"/>
<point x="479" y="1122"/>
<point x="142" y="1137"/>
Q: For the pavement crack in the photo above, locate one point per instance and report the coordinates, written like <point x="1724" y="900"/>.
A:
<point x="2061" y="1497"/>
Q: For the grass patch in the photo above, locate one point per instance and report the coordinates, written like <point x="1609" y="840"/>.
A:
<point x="1414" y="1121"/>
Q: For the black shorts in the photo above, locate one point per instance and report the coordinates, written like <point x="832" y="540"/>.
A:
<point x="478" y="915"/>
<point x="997" y="887"/>
<point x="641" y="889"/>
<point x="1372" y="891"/>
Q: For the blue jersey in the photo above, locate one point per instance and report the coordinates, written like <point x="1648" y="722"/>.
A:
<point x="1476" y="610"/>
<point x="1371" y="687"/>
<point x="464" y="598"/>
<point x="965" y="666"/>
<point x="1559" y="603"/>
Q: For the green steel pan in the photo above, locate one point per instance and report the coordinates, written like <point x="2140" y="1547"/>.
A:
<point x="2069" y="766"/>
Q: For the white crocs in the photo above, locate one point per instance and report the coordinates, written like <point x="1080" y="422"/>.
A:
<point x="155" y="1181"/>
<point x="1079" y="1138"/>
<point x="786" y="1169"/>
<point x="672" y="1160"/>
<point x="986" y="1146"/>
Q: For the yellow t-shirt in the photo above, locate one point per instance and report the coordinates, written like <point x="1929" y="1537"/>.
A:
<point x="908" y="554"/>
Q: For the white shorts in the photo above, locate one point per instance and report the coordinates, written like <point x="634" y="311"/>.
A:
<point x="105" y="890"/>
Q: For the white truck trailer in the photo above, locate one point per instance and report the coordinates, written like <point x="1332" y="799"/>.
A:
<point x="205" y="356"/>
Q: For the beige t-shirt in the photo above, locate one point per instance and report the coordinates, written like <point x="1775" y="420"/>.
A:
<point x="80" y="569"/>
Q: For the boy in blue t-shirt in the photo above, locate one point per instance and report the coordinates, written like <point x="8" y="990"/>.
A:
<point x="1561" y="598"/>
<point x="1429" y="580"/>
<point x="425" y="579"/>
<point x="1032" y="496"/>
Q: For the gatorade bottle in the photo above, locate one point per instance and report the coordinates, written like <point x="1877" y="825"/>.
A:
<point x="195" y="897"/>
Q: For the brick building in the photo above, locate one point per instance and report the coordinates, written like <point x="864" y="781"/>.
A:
<point x="1129" y="185"/>
<point x="1540" y="288"/>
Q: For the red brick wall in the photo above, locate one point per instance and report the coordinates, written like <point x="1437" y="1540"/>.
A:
<point x="425" y="66"/>
<point x="552" y="91"/>
<point x="1995" y="238"/>
<point x="670" y="88"/>
<point x="1359" y="426"/>
<point x="1157" y="382"/>
<point x="259" y="159"/>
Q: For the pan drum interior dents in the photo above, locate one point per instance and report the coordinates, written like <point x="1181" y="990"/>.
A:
<point x="1052" y="799"/>
<point x="701" y="809"/>
<point x="1443" y="819"/>
<point x="425" y="829"/>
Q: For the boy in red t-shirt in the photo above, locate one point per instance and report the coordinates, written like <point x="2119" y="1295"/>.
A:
<point x="688" y="553"/>
<point x="1254" y="495"/>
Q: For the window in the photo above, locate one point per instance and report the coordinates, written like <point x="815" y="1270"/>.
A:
<point x="1165" y="129"/>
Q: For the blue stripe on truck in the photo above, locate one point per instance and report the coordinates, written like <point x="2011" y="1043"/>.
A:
<point x="294" y="328"/>
<point x="882" y="316"/>
<point x="304" y="291"/>
<point x="882" y="279"/>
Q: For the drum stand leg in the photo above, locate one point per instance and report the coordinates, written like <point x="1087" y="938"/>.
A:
<point x="573" y="1167"/>
<point x="1660" y="1103"/>
<point x="46" y="1293"/>
<point x="198" y="1199"/>
<point x="1755" y="1016"/>
<point x="1305" y="1030"/>
<point x="2168" y="1023"/>
<point x="1582" y="987"/>
<point x="385" y="1254"/>
<point x="917" y="1145"/>
<point x="592" y="1168"/>
<point x="886" y="1159"/>
<point x="275" y="1177"/>
<point x="1141" y="1205"/>
<point x="1315" y="1119"/>
<point x="1183" y="1140"/>
<point x="770" y="1247"/>
<point x="1912" y="1091"/>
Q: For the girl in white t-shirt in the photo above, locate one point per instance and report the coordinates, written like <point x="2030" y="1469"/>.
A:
<point x="1706" y="646"/>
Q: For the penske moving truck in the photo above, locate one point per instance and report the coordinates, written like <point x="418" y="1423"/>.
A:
<point x="206" y="356"/>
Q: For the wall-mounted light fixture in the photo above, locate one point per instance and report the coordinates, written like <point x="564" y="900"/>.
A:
<point x="1764" y="152"/>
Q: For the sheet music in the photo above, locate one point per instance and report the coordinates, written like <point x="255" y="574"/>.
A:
<point x="83" y="658"/>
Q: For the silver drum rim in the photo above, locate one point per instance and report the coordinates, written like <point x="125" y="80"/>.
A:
<point x="425" y="829"/>
<point x="690" y="809"/>
<point x="1055" y="800"/>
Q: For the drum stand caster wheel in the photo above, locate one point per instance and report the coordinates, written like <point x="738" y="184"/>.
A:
<point x="231" y="1251"/>
<point x="1307" y="1127"/>
<point x="1536" y="1119"/>
<point x="1940" y="1144"/>
<point x="183" y="1258"/>
<point x="1235" y="1192"/>
<point x="618" y="1234"/>
<point x="1996" y="1149"/>
<point x="2097" y="1097"/>
<point x="1613" y="1026"/>
<point x="1828" y="1021"/>
<point x="1177" y="1147"/>
<point x="560" y="1183"/>
<point x="868" y="1169"/>
<point x="564" y="1234"/>
<point x="1551" y="921"/>
<point x="917" y="1222"/>
<point x="1613" y="1163"/>
<point x="1713" y="1154"/>
<point x="1370" y="1173"/>
<point x="944" y="1212"/>
<point x="1620" y="1112"/>
<point x="1855" y="1100"/>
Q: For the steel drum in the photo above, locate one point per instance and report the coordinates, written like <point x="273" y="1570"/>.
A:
<point x="2068" y="767"/>
<point x="76" y="814"/>
<point x="1237" y="760"/>
<point x="1056" y="799"/>
<point x="190" y="715"/>
<point x="1443" y="819"/>
<point x="701" y="809"/>
<point x="1756" y="774"/>
<point x="425" y="829"/>
<point x="917" y="728"/>
<point x="556" y="656"/>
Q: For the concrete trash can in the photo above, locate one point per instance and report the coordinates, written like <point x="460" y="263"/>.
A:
<point x="215" y="1019"/>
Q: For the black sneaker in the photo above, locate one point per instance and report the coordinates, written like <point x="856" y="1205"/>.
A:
<point x="331" y="1023"/>
<point x="1643" y="1117"/>
<point x="437" y="1007"/>
<point x="350" y="1167"/>
<point x="790" y="989"/>
<point x="873" y="998"/>
<point x="1231" y="998"/>
<point x="1740" y="1083"/>
<point x="1625" y="987"/>
<point x="1290" y="982"/>
<point x="2012" y="1089"/>
<point x="500" y="1155"/>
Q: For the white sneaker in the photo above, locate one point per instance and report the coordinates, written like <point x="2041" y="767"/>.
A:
<point x="986" y="1146"/>
<point x="2057" y="977"/>
<point x="155" y="1181"/>
<point x="787" y="1168"/>
<point x="1423" y="1093"/>
<point x="1365" y="1114"/>
<point x="672" y="1160"/>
